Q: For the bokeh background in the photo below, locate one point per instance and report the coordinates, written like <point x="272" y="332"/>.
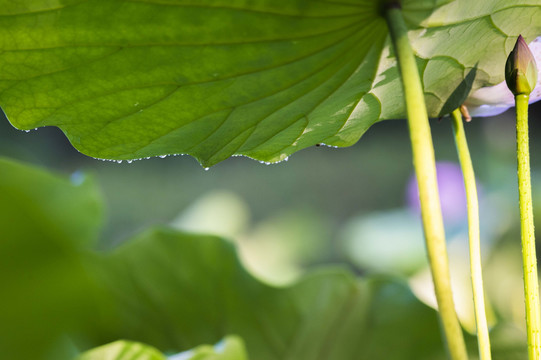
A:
<point x="350" y="206"/>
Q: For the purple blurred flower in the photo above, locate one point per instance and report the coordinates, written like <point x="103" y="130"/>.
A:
<point x="452" y="193"/>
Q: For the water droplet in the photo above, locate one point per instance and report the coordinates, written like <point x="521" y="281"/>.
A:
<point x="207" y="169"/>
<point x="331" y="146"/>
<point x="77" y="178"/>
<point x="119" y="161"/>
<point x="163" y="156"/>
<point x="27" y="131"/>
<point x="129" y="161"/>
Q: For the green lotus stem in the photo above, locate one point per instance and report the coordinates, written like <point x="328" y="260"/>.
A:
<point x="531" y="285"/>
<point x="425" y="169"/>
<point x="474" y="237"/>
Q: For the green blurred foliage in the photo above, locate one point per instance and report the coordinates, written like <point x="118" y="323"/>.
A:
<point x="169" y="289"/>
<point x="47" y="223"/>
<point x="321" y="182"/>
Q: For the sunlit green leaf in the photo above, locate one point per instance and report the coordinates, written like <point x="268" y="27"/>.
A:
<point x="231" y="348"/>
<point x="129" y="79"/>
<point x="123" y="350"/>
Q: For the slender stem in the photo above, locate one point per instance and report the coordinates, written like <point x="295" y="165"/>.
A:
<point x="473" y="230"/>
<point x="425" y="168"/>
<point x="531" y="285"/>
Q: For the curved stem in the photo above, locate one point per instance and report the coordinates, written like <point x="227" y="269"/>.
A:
<point x="473" y="231"/>
<point x="425" y="168"/>
<point x="531" y="285"/>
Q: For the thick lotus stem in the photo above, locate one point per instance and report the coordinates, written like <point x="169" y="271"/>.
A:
<point x="425" y="169"/>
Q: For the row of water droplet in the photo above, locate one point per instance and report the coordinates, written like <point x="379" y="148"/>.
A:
<point x="205" y="168"/>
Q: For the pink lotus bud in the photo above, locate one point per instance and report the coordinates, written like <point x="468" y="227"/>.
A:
<point x="521" y="69"/>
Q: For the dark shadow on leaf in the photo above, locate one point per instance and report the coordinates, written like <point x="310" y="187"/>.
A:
<point x="460" y="94"/>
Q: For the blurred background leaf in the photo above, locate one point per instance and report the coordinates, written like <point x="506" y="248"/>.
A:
<point x="46" y="224"/>
<point x="174" y="291"/>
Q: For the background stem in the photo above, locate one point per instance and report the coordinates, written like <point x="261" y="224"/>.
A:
<point x="425" y="169"/>
<point x="474" y="237"/>
<point x="531" y="285"/>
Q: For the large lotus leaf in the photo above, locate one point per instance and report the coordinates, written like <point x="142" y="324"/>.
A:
<point x="174" y="291"/>
<point x="128" y="79"/>
<point x="45" y="223"/>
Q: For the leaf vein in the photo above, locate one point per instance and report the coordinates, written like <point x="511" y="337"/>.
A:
<point x="314" y="107"/>
<point x="224" y="7"/>
<point x="353" y="24"/>
<point x="44" y="11"/>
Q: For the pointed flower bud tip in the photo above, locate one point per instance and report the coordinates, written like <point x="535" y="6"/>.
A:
<point x="521" y="69"/>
